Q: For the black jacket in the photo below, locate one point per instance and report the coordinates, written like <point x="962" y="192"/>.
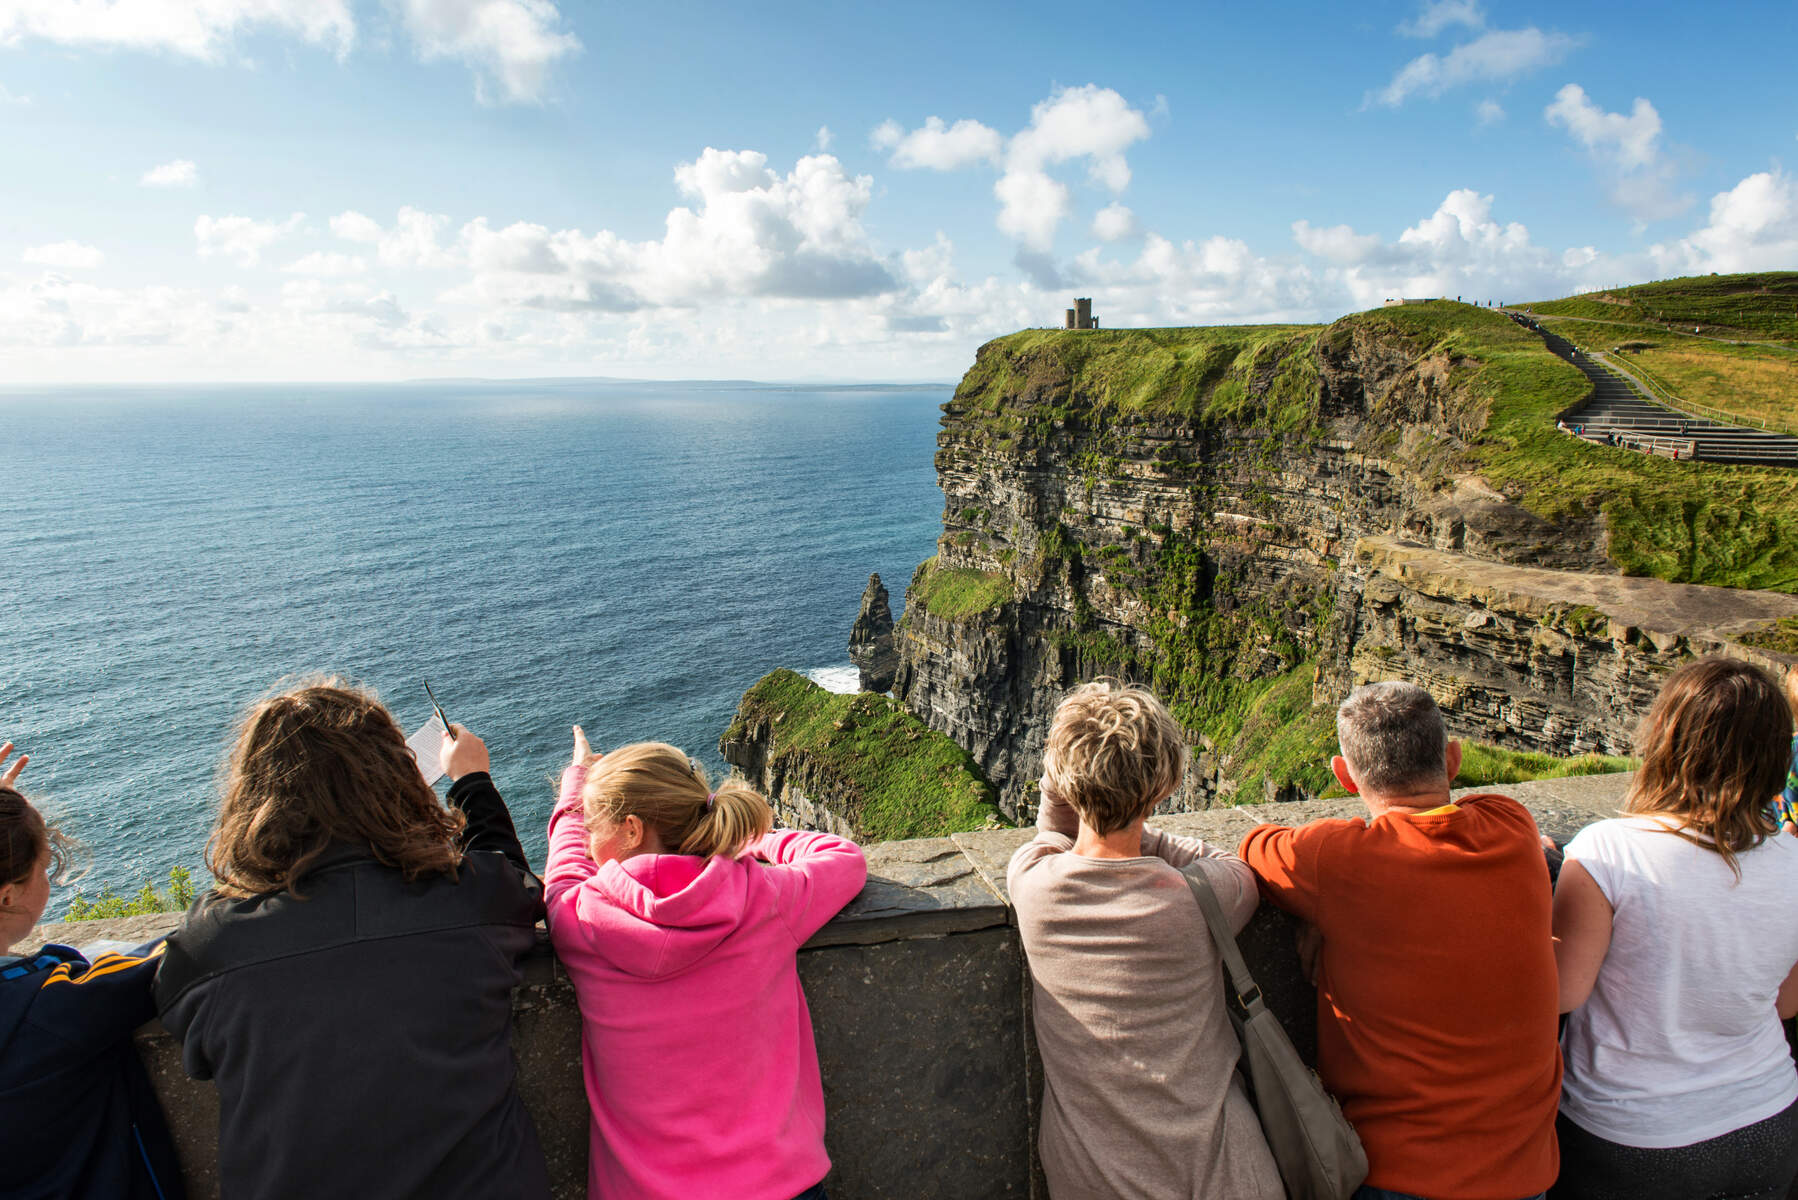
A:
<point x="360" y="1037"/>
<point x="78" y="1120"/>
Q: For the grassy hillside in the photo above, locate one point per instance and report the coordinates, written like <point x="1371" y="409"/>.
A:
<point x="1762" y="307"/>
<point x="878" y="766"/>
<point x="1687" y="522"/>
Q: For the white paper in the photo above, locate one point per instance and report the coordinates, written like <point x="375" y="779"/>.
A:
<point x="427" y="748"/>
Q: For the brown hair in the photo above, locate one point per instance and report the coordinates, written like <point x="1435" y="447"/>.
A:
<point x="1114" y="753"/>
<point x="321" y="763"/>
<point x="25" y="835"/>
<point x="661" y="786"/>
<point x="1714" y="749"/>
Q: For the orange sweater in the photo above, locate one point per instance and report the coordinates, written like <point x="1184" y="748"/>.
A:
<point x="1436" y="997"/>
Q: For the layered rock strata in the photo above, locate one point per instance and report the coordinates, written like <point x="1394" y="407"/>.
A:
<point x="1272" y="526"/>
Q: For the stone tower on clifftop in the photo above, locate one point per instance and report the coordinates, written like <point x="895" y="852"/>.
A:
<point x="871" y="639"/>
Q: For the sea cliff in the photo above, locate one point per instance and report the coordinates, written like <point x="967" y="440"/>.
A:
<point x="1253" y="520"/>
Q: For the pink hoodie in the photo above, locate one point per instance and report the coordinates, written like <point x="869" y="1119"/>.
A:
<point x="696" y="1042"/>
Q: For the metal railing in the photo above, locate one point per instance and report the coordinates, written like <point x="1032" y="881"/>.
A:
<point x="1660" y="393"/>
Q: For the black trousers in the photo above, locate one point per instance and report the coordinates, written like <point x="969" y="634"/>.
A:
<point x="1755" y="1162"/>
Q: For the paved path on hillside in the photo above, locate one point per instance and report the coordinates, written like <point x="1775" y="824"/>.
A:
<point x="1619" y="412"/>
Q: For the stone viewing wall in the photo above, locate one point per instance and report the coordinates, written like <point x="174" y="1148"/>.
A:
<point x="920" y="999"/>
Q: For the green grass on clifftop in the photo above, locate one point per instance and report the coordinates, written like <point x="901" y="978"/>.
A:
<point x="1191" y="373"/>
<point x="882" y="769"/>
<point x="954" y="593"/>
<point x="1761" y="307"/>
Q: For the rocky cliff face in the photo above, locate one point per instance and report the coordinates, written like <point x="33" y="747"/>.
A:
<point x="1213" y="511"/>
<point x="871" y="646"/>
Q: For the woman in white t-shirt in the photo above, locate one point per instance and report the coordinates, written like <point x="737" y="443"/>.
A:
<point x="1678" y="958"/>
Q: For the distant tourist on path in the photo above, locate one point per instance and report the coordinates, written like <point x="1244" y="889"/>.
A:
<point x="1141" y="1098"/>
<point x="1678" y="958"/>
<point x="348" y="985"/>
<point x="78" y="1120"/>
<point x="1436" y="976"/>
<point x="678" y="911"/>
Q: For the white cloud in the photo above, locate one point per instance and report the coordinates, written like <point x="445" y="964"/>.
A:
<point x="414" y="240"/>
<point x="1032" y="205"/>
<point x="203" y="30"/>
<point x="1337" y="244"/>
<point x="1495" y="56"/>
<point x="1489" y="112"/>
<point x="1631" y="141"/>
<point x="1444" y="14"/>
<point x="1753" y="227"/>
<point x="823" y="138"/>
<point x="7" y="97"/>
<point x="751" y="232"/>
<point x="326" y="264"/>
<point x="178" y="173"/>
<point x="938" y="147"/>
<point x="67" y="256"/>
<point x="1113" y="223"/>
<point x="356" y="227"/>
<point x="241" y="238"/>
<point x="1087" y="122"/>
<point x="1627" y="150"/>
<point x="508" y="44"/>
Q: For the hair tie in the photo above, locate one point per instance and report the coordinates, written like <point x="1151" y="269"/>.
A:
<point x="709" y="799"/>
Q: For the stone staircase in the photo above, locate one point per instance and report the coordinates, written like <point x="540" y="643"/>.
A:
<point x="1617" y="413"/>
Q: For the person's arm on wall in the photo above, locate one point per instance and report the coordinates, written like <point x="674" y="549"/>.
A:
<point x="1288" y="863"/>
<point x="823" y="873"/>
<point x="1229" y="877"/>
<point x="1582" y="933"/>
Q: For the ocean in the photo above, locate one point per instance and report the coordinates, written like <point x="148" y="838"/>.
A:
<point x="627" y="556"/>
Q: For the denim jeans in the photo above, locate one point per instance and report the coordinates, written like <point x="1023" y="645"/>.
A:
<point x="1373" y="1193"/>
<point x="815" y="1192"/>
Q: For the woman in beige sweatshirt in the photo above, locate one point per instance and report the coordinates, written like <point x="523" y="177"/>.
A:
<point x="1140" y="1097"/>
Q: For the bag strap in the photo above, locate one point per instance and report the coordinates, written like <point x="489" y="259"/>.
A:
<point x="1248" y="993"/>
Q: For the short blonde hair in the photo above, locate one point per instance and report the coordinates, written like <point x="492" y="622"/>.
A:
<point x="1114" y="752"/>
<point x="667" y="791"/>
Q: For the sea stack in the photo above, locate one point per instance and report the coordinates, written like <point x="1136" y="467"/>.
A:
<point x="871" y="639"/>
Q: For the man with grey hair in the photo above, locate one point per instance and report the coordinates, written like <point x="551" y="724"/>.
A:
<point x="1436" y="990"/>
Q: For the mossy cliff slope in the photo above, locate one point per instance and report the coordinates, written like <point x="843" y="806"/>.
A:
<point x="859" y="766"/>
<point x="1232" y="515"/>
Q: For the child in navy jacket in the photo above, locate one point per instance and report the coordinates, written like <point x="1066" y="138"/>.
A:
<point x="77" y="1117"/>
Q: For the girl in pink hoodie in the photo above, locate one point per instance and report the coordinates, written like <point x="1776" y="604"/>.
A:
<point x="677" y="913"/>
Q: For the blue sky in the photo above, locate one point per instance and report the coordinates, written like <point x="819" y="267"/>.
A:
<point x="376" y="189"/>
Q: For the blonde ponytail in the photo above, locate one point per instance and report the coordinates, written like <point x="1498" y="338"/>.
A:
<point x="667" y="791"/>
<point x="735" y="816"/>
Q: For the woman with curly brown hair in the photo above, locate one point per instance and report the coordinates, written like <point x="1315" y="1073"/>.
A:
<point x="1677" y="960"/>
<point x="348" y="985"/>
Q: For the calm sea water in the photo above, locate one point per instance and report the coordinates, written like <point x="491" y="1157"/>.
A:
<point x="628" y="556"/>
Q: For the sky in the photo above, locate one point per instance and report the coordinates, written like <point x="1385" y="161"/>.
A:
<point x="245" y="190"/>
